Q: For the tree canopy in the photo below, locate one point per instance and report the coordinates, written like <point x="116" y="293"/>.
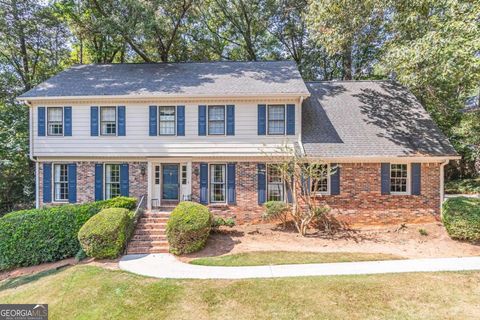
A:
<point x="430" y="46"/>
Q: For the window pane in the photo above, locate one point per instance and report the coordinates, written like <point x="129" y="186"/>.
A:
<point x="55" y="121"/>
<point x="275" y="185"/>
<point x="216" y="120"/>
<point x="167" y="120"/>
<point x="112" y="180"/>
<point x="217" y="183"/>
<point x="398" y="178"/>
<point x="60" y="178"/>
<point x="276" y="119"/>
<point x="320" y="184"/>
<point x="108" y="113"/>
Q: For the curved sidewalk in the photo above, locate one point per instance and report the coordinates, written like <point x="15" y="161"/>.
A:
<point x="165" y="265"/>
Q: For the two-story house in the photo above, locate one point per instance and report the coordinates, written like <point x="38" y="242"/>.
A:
<point x="207" y="132"/>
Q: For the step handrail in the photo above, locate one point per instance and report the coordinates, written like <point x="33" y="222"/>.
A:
<point x="136" y="216"/>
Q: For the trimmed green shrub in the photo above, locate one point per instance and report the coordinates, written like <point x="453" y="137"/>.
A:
<point x="461" y="218"/>
<point x="276" y="210"/>
<point x="188" y="227"/>
<point x="217" y="222"/>
<point x="105" y="234"/>
<point x="30" y="237"/>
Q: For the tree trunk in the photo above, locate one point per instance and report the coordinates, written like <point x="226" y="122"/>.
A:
<point x="347" y="64"/>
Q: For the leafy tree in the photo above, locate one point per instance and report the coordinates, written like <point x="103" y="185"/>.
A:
<point x="351" y="29"/>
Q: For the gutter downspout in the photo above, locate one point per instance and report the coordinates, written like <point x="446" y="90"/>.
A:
<point x="300" y="130"/>
<point x="32" y="158"/>
<point x="442" y="183"/>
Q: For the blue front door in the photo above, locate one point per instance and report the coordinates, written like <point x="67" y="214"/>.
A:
<point x="170" y="181"/>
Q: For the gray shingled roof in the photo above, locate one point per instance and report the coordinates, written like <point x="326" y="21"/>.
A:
<point x="368" y="118"/>
<point x="167" y="79"/>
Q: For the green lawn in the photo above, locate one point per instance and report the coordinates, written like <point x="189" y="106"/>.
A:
<point x="464" y="186"/>
<point x="261" y="258"/>
<point x="87" y="292"/>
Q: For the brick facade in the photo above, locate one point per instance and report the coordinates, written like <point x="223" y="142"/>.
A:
<point x="86" y="181"/>
<point x="360" y="201"/>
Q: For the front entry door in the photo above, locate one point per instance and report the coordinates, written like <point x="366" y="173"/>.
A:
<point x="170" y="185"/>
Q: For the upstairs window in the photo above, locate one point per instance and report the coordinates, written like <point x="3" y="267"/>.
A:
<point x="166" y="121"/>
<point x="398" y="178"/>
<point x="216" y="120"/>
<point x="112" y="181"/>
<point x="320" y="183"/>
<point x="55" y="121"/>
<point x="276" y="119"/>
<point x="275" y="185"/>
<point x="108" y="121"/>
<point x="60" y="182"/>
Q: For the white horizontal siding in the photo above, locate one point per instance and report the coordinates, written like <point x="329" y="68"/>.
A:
<point x="137" y="141"/>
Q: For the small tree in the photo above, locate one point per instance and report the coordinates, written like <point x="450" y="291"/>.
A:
<point x="304" y="178"/>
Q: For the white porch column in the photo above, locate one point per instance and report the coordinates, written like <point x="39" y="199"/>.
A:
<point x="149" y="188"/>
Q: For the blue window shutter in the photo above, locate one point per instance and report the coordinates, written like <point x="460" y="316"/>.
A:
<point x="67" y="121"/>
<point x="122" y="119"/>
<point x="98" y="181"/>
<point x="47" y="182"/>
<point x="231" y="183"/>
<point x="262" y="119"/>
<point x="385" y="177"/>
<point x="124" y="180"/>
<point x="290" y="119"/>
<point x="180" y="120"/>
<point x="230" y="120"/>
<point x="335" y="180"/>
<point x="152" y="131"/>
<point x="94" y="121"/>
<point x="72" y="183"/>
<point x="262" y="183"/>
<point x="41" y="121"/>
<point x="416" y="178"/>
<point x="202" y="120"/>
<point x="203" y="183"/>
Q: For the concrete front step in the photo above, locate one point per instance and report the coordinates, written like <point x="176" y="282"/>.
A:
<point x="148" y="244"/>
<point x="142" y="250"/>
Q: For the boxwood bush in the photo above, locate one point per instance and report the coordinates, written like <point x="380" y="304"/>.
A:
<point x="105" y="234"/>
<point x="461" y="218"/>
<point x="30" y="237"/>
<point x="188" y="227"/>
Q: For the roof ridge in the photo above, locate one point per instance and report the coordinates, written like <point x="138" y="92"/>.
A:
<point x="338" y="81"/>
<point x="183" y="62"/>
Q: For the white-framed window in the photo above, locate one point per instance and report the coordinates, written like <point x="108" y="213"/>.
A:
<point x="55" y="121"/>
<point x="399" y="178"/>
<point x="157" y="174"/>
<point x="60" y="182"/>
<point x="166" y="120"/>
<point x="321" y="183"/>
<point x="218" y="183"/>
<point x="216" y="120"/>
<point x="112" y="181"/>
<point x="184" y="175"/>
<point x="275" y="184"/>
<point x="108" y="121"/>
<point x="276" y="119"/>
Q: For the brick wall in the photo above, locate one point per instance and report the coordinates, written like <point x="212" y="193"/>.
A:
<point x="86" y="181"/>
<point x="360" y="201"/>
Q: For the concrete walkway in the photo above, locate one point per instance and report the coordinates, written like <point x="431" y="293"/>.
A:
<point x="165" y="265"/>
